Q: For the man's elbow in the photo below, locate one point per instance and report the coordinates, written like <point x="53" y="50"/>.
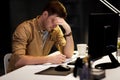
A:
<point x="69" y="54"/>
<point x="21" y="62"/>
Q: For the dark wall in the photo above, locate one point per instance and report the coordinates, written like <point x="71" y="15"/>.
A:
<point x="21" y="10"/>
<point x="5" y="32"/>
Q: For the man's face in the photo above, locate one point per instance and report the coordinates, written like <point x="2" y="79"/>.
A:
<point x="50" y="22"/>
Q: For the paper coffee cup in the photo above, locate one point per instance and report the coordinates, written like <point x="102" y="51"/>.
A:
<point x="82" y="50"/>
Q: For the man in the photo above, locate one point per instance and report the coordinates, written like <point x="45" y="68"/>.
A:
<point x="33" y="39"/>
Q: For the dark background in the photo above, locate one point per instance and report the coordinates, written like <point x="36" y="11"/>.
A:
<point x="13" y="12"/>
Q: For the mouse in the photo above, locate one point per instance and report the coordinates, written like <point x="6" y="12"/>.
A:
<point x="62" y="68"/>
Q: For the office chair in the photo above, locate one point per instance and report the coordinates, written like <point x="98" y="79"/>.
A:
<point x="6" y="61"/>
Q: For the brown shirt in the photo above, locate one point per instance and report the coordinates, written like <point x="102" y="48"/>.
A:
<point x="27" y="40"/>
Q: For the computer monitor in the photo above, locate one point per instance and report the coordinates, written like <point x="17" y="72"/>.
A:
<point x="102" y="38"/>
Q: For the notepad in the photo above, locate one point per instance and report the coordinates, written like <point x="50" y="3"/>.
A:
<point x="52" y="71"/>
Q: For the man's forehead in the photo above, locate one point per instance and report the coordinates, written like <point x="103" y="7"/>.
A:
<point x="54" y="16"/>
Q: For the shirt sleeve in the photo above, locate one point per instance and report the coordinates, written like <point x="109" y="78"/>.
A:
<point x="20" y="38"/>
<point x="60" y="41"/>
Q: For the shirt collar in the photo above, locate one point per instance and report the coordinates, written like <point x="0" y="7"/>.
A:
<point x="39" y="27"/>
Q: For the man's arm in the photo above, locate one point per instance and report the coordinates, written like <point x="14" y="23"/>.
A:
<point x="69" y="47"/>
<point x="55" y="58"/>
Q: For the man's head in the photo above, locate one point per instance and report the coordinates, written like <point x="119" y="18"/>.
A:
<point x="51" y="14"/>
<point x="55" y="7"/>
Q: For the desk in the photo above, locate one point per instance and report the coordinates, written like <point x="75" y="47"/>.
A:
<point x="27" y="73"/>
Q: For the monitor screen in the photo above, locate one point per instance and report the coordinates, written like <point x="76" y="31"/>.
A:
<point x="103" y="33"/>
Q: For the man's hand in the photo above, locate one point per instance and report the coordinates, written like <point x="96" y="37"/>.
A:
<point x="56" y="58"/>
<point x="63" y="23"/>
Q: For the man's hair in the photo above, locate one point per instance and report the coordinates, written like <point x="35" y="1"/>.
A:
<point x="56" y="7"/>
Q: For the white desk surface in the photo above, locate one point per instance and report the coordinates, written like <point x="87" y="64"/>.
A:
<point x="28" y="73"/>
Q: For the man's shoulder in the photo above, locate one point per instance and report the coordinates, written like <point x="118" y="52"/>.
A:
<point x="27" y="24"/>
